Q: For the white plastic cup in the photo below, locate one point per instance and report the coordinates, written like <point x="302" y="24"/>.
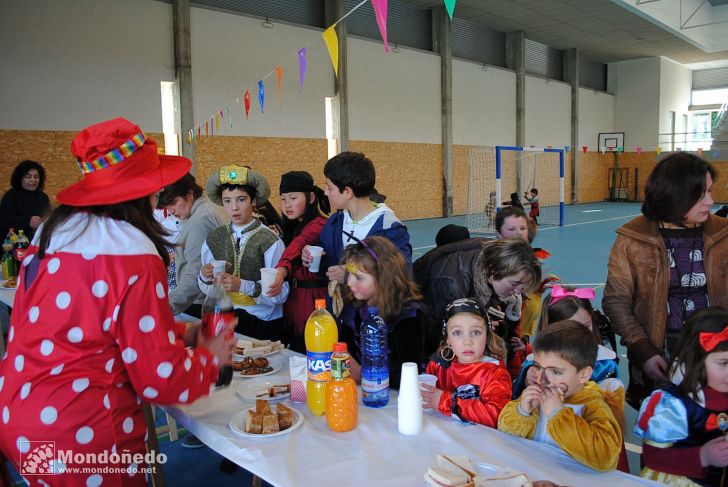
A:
<point x="267" y="278"/>
<point x="218" y="266"/>
<point x="428" y="379"/>
<point x="316" y="253"/>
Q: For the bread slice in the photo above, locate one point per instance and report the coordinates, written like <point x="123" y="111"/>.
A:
<point x="285" y="416"/>
<point x="508" y="479"/>
<point x="262" y="407"/>
<point x="460" y="461"/>
<point x="245" y="344"/>
<point x="260" y="343"/>
<point x="277" y="390"/>
<point x="270" y="424"/>
<point x="439" y="477"/>
<point x="258" y="351"/>
<point x="253" y="423"/>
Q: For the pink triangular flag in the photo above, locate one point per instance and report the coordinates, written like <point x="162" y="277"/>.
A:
<point x="380" y="12"/>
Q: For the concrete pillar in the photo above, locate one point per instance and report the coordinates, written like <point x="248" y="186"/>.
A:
<point x="334" y="10"/>
<point x="516" y="60"/>
<point x="183" y="72"/>
<point x="571" y="76"/>
<point x="442" y="44"/>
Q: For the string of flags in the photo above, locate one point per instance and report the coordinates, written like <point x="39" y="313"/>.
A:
<point x="639" y="149"/>
<point x="211" y="124"/>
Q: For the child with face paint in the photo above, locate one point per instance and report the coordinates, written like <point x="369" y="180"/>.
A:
<point x="564" y="408"/>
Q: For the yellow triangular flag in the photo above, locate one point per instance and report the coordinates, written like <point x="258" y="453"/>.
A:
<point x="332" y="44"/>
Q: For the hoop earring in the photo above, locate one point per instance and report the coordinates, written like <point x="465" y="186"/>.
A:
<point x="442" y="353"/>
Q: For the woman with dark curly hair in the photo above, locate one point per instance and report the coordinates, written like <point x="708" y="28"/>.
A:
<point x="25" y="203"/>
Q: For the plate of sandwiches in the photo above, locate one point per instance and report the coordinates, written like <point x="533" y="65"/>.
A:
<point x="273" y="389"/>
<point x="11" y="283"/>
<point x="256" y="348"/>
<point x="262" y="422"/>
<point x="459" y="471"/>
<point x="254" y="367"/>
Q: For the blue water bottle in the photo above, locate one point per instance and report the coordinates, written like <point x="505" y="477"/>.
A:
<point x="374" y="361"/>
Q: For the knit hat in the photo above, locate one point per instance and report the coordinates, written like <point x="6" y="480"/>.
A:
<point x="451" y="233"/>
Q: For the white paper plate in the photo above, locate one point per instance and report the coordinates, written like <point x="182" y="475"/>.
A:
<point x="272" y="363"/>
<point x="237" y="425"/>
<point x="488" y="469"/>
<point x="249" y="389"/>
<point x="240" y="356"/>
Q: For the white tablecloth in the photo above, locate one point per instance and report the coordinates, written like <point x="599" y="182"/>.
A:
<point x="374" y="453"/>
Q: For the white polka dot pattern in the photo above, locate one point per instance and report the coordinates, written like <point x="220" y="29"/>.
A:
<point x="128" y="425"/>
<point x="6" y="415"/>
<point x="48" y="415"/>
<point x="25" y="390"/>
<point x="107" y="324"/>
<point x="75" y="335"/>
<point x="164" y="370"/>
<point x="129" y="355"/>
<point x="160" y="290"/>
<point x="185" y="394"/>
<point x="80" y="385"/>
<point x="57" y="369"/>
<point x="19" y="363"/>
<point x="188" y="364"/>
<point x="46" y="347"/>
<point x="94" y="480"/>
<point x="116" y="312"/>
<point x="107" y="404"/>
<point x="53" y="265"/>
<point x="172" y="337"/>
<point x="23" y="444"/>
<point x="133" y="279"/>
<point x="33" y="314"/>
<point x="63" y="300"/>
<point x="99" y="289"/>
<point x="27" y="260"/>
<point x="84" y="435"/>
<point x="150" y="392"/>
<point x="146" y="324"/>
<point x="109" y="365"/>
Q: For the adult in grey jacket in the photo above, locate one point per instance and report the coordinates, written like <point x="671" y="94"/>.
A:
<point x="199" y="216"/>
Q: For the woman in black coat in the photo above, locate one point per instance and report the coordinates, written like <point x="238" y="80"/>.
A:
<point x="25" y="203"/>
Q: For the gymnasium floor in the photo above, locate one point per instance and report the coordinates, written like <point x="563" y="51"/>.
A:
<point x="579" y="252"/>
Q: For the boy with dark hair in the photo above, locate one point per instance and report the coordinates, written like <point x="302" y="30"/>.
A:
<point x="350" y="178"/>
<point x="563" y="407"/>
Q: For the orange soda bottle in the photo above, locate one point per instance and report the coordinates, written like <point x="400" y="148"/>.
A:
<point x="320" y="335"/>
<point x="341" y="401"/>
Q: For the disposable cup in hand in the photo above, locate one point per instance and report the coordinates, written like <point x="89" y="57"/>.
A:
<point x="428" y="379"/>
<point x="267" y="278"/>
<point x="218" y="266"/>
<point x="316" y="253"/>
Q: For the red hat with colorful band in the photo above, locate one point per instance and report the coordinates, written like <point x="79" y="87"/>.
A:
<point x="119" y="163"/>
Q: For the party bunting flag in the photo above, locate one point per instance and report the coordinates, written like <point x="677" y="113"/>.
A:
<point x="332" y="44"/>
<point x="620" y="149"/>
<point x="715" y="152"/>
<point x="659" y="149"/>
<point x="212" y="126"/>
<point x="217" y="121"/>
<point x="230" y="118"/>
<point x="700" y="151"/>
<point x="566" y="148"/>
<point x="199" y="129"/>
<point x="380" y="12"/>
<point x="207" y="128"/>
<point x="189" y="137"/>
<point x="279" y="78"/>
<point x="549" y="146"/>
<point x="450" y="6"/>
<point x="261" y="96"/>
<point x="301" y="68"/>
<point x="246" y="102"/>
<point x="639" y="149"/>
<point x="584" y="148"/>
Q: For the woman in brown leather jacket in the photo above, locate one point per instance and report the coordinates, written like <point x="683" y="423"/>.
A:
<point x="664" y="266"/>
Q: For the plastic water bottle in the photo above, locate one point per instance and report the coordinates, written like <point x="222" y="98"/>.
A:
<point x="217" y="318"/>
<point x="374" y="361"/>
<point x="320" y="334"/>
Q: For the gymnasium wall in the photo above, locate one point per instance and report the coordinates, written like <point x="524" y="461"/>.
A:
<point x="56" y="81"/>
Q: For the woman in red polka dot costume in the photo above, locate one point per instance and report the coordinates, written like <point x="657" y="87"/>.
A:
<point x="92" y="334"/>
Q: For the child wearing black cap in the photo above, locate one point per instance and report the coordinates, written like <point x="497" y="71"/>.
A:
<point x="302" y="205"/>
<point x="472" y="382"/>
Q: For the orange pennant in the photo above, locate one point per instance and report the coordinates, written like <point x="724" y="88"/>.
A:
<point x="279" y="78"/>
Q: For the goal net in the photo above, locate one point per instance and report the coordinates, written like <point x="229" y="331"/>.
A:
<point x="494" y="173"/>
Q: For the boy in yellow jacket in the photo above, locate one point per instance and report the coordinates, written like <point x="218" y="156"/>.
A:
<point x="562" y="406"/>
